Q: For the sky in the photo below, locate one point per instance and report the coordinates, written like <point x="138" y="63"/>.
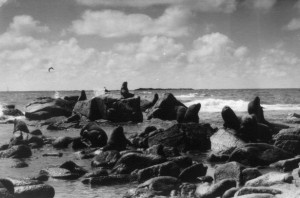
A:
<point x="200" y="44"/>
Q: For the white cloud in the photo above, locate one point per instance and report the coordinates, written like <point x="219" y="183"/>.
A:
<point x="226" y="6"/>
<point x="294" y="24"/>
<point x="113" y="23"/>
<point x="2" y="2"/>
<point x="25" y="25"/>
<point x="263" y="4"/>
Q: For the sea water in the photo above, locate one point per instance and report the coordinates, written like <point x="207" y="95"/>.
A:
<point x="277" y="103"/>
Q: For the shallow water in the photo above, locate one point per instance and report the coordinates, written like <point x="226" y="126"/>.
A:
<point x="279" y="103"/>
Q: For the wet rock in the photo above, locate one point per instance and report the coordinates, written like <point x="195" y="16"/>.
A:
<point x="218" y="189"/>
<point x="181" y="161"/>
<point x="73" y="168"/>
<point x="231" y="170"/>
<point x="36" y="132"/>
<point x="78" y="143"/>
<point x="257" y="195"/>
<point x="117" y="140"/>
<point x="52" y="155"/>
<point x="106" y="159"/>
<point x="253" y="190"/>
<point x="184" y="137"/>
<point x="60" y="173"/>
<point x="162" y="185"/>
<point x="34" y="191"/>
<point x="217" y="157"/>
<point x="20" y="164"/>
<point x="131" y="161"/>
<point x="155" y="150"/>
<point x="108" y="180"/>
<point x="230" y="193"/>
<point x="250" y="173"/>
<point x="62" y="142"/>
<point x="270" y="179"/>
<point x="191" y="173"/>
<point x="289" y="140"/>
<point x="6" y="188"/>
<point x="98" y="173"/>
<point x="45" y="108"/>
<point x="258" y="154"/>
<point x="287" y="165"/>
<point x="164" y="169"/>
<point x="36" y="142"/>
<point x="19" y="151"/>
<point x="225" y="139"/>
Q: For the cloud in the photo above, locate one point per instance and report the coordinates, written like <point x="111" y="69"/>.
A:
<point x="226" y="6"/>
<point x="294" y="24"/>
<point x="113" y="23"/>
<point x="2" y="2"/>
<point x="263" y="4"/>
<point x="25" y="25"/>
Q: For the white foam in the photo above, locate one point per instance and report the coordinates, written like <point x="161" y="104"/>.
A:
<point x="190" y="95"/>
<point x="98" y="92"/>
<point x="216" y="105"/>
<point x="56" y="95"/>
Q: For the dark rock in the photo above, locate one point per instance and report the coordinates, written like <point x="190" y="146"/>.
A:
<point x="258" y="154"/>
<point x="217" y="157"/>
<point x="12" y="112"/>
<point x="71" y="98"/>
<point x="37" y="141"/>
<point x="184" y="137"/>
<point x="164" y="169"/>
<point x="78" y="143"/>
<point x="73" y="168"/>
<point x="4" y="147"/>
<point x="46" y="108"/>
<point x="249" y="174"/>
<point x="287" y="165"/>
<point x="19" y="151"/>
<point x="181" y="161"/>
<point x="108" y="180"/>
<point x="289" y="140"/>
<point x="40" y="177"/>
<point x="148" y="130"/>
<point x="52" y="154"/>
<point x="20" y="164"/>
<point x="35" y="191"/>
<point x="162" y="185"/>
<point x="106" y="159"/>
<point x="131" y="161"/>
<point x="98" y="173"/>
<point x="230" y="193"/>
<point x="62" y="142"/>
<point x="53" y="120"/>
<point x="155" y="150"/>
<point x="231" y="170"/>
<point x="253" y="190"/>
<point x="191" y="173"/>
<point x="8" y="185"/>
<point x="20" y="125"/>
<point x="170" y="151"/>
<point x="218" y="189"/>
<point x="36" y="132"/>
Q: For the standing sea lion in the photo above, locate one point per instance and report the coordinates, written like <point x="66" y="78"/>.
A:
<point x="125" y="92"/>
<point x="117" y="140"/>
<point x="230" y="119"/>
<point x="82" y="96"/>
<point x="192" y="112"/>
<point x="255" y="108"/>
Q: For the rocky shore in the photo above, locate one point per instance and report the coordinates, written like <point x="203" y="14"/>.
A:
<point x="247" y="157"/>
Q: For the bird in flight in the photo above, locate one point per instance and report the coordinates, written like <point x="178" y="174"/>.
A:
<point x="50" y="69"/>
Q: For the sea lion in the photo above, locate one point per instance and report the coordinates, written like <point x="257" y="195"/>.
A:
<point x="94" y="134"/>
<point x="230" y="119"/>
<point x="21" y="126"/>
<point x="180" y="113"/>
<point x="255" y="108"/>
<point x="248" y="128"/>
<point x="192" y="113"/>
<point x="82" y="96"/>
<point x="148" y="104"/>
<point x="117" y="140"/>
<point x="125" y="92"/>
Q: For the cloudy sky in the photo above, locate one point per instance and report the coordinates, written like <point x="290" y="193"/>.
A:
<point x="206" y="44"/>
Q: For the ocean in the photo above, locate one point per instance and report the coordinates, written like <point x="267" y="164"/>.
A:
<point x="277" y="103"/>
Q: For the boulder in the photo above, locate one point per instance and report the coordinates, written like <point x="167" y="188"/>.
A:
<point x="6" y="188"/>
<point x="184" y="137"/>
<point x="257" y="195"/>
<point x="164" y="169"/>
<point x="230" y="193"/>
<point x="106" y="159"/>
<point x="250" y="173"/>
<point x="98" y="173"/>
<point x="191" y="173"/>
<point x="258" y="154"/>
<point x="287" y="165"/>
<point x="230" y="170"/>
<point x="109" y="108"/>
<point x="206" y="178"/>
<point x="270" y="179"/>
<point x="34" y="191"/>
<point x="225" y="139"/>
<point x="131" y="161"/>
<point x="18" y="151"/>
<point x="62" y="142"/>
<point x="162" y="185"/>
<point x="181" y="161"/>
<point x="253" y="190"/>
<point x="36" y="132"/>
<point x="45" y="108"/>
<point x="289" y="140"/>
<point x="108" y="180"/>
<point x="218" y="189"/>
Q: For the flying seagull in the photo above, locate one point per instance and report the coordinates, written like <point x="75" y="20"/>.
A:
<point x="50" y="69"/>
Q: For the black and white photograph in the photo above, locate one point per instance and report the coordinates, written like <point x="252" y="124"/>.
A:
<point x="149" y="98"/>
